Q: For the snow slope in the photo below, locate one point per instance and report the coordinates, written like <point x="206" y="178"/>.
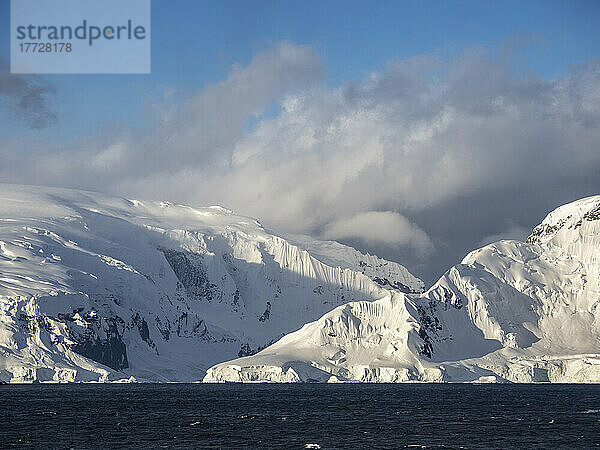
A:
<point x="99" y="288"/>
<point x="511" y="311"/>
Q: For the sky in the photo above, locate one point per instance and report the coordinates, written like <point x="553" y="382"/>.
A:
<point x="414" y="130"/>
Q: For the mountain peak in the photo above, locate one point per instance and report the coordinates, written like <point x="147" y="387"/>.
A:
<point x="570" y="216"/>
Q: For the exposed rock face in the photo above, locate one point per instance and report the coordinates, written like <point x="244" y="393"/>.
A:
<point x="94" y="287"/>
<point x="111" y="351"/>
<point x="511" y="311"/>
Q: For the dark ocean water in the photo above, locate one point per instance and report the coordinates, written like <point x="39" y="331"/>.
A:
<point x="292" y="416"/>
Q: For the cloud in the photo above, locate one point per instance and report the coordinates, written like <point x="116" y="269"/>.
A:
<point x="430" y="153"/>
<point x="26" y="98"/>
<point x="181" y="144"/>
<point x="212" y="122"/>
<point x="513" y="232"/>
<point x="381" y="228"/>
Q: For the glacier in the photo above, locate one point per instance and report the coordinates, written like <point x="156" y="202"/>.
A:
<point x="509" y="312"/>
<point x="98" y="288"/>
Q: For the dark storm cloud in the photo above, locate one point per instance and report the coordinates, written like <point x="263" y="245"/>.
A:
<point x="26" y="98"/>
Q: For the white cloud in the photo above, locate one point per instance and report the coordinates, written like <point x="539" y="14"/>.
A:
<point x="512" y="232"/>
<point x="381" y="227"/>
<point x="408" y="140"/>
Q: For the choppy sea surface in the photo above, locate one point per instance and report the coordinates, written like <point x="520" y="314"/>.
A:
<point x="300" y="416"/>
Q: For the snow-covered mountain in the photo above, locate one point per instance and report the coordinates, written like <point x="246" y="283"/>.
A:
<point x="511" y="311"/>
<point x="98" y="288"/>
